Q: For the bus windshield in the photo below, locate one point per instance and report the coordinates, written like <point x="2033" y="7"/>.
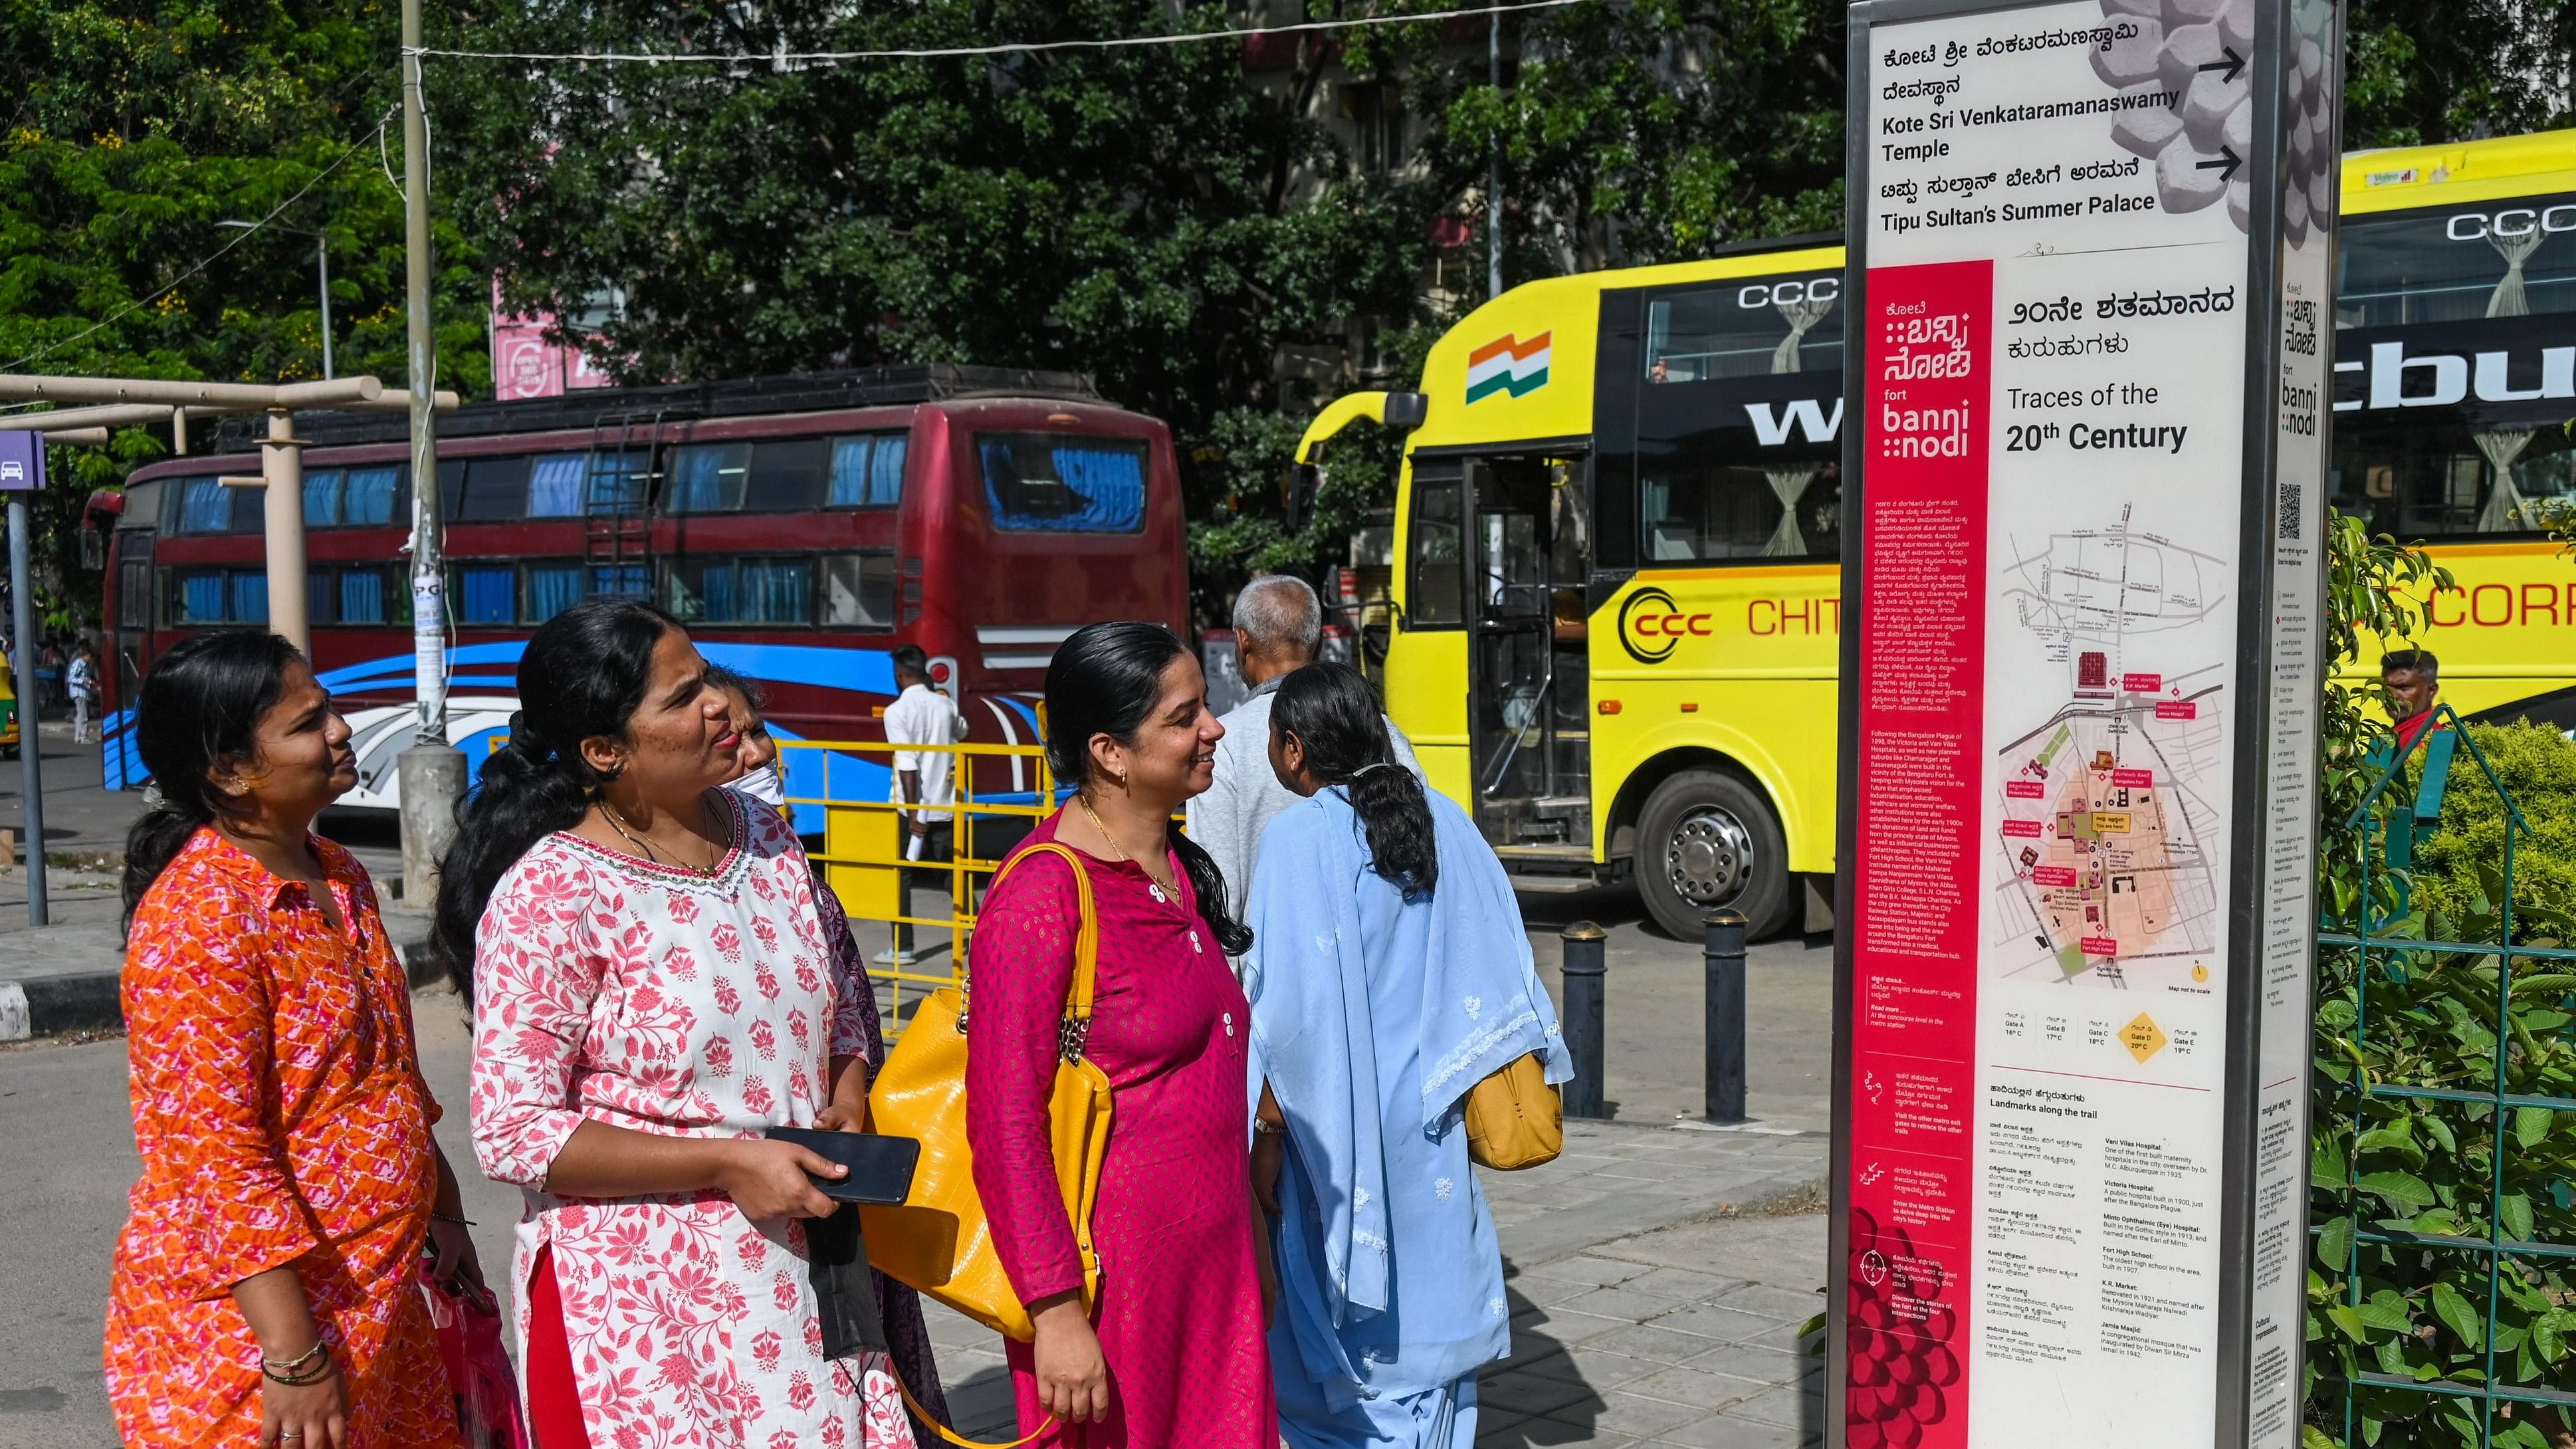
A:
<point x="2453" y="367"/>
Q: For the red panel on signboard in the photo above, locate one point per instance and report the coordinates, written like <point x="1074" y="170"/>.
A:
<point x="1914" y="980"/>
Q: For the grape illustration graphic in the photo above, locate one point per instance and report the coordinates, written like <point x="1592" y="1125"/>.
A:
<point x="1898" y="1329"/>
<point x="2198" y="51"/>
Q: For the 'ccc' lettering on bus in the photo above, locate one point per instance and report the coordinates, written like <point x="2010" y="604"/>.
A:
<point x="1651" y="626"/>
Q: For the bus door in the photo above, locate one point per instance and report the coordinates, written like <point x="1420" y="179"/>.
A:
<point x="130" y="645"/>
<point x="1527" y="678"/>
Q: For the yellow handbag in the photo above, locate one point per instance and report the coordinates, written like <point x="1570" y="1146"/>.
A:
<point x="938" y="1241"/>
<point x="1514" y="1118"/>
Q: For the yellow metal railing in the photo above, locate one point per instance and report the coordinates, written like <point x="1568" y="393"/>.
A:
<point x="862" y="858"/>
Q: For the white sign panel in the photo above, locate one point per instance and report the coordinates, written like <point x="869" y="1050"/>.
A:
<point x="2082" y="719"/>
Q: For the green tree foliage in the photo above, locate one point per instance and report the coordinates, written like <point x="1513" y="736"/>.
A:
<point x="1168" y="219"/>
<point x="132" y="129"/>
<point x="2421" y="72"/>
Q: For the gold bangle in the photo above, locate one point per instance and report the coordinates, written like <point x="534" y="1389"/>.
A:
<point x="292" y="1365"/>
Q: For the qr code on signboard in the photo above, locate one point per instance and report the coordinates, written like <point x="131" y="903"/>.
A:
<point x="2286" y="527"/>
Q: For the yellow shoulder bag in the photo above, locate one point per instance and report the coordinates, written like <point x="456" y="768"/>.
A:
<point x="1514" y="1118"/>
<point x="938" y="1241"/>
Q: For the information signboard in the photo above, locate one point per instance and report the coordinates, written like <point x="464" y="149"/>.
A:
<point x="22" y="460"/>
<point x="2090" y="245"/>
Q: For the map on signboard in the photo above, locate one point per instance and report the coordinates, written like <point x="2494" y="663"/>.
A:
<point x="2111" y="790"/>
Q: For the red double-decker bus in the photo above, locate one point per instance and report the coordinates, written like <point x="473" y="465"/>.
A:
<point x="803" y="527"/>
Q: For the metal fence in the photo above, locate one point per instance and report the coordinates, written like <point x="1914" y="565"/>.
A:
<point x="2442" y="1302"/>
<point x="1002" y="791"/>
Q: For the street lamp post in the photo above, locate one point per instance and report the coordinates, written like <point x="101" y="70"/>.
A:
<point x="322" y="260"/>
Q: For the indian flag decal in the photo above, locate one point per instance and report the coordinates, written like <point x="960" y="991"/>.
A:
<point x="1507" y="364"/>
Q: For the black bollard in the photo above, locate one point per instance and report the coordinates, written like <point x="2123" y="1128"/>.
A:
<point x="1723" y="957"/>
<point x="1584" y="970"/>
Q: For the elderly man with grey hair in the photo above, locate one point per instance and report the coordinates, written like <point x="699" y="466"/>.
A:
<point x="1278" y="629"/>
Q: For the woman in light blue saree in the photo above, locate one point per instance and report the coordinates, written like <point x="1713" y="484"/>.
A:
<point x="1389" y="977"/>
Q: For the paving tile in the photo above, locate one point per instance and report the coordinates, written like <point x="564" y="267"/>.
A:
<point x="1590" y="1270"/>
<point x="1786" y="1406"/>
<point x="1779" y="1303"/>
<point x="1683" y="1283"/>
<point x="1566" y="1326"/>
<point x="1788" y="1339"/>
<point x="1625" y="1303"/>
<point x="1653" y="1341"/>
<point x="1533" y="1393"/>
<point x="1726" y="1325"/>
<point x="1492" y="1425"/>
<point x="1750" y="1361"/>
<point x="1726" y="1431"/>
<point x="1623" y="1414"/>
<point x="1598" y="1368"/>
<point x="1697" y="1388"/>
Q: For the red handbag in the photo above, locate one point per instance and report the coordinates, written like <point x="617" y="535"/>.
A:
<point x="478" y="1368"/>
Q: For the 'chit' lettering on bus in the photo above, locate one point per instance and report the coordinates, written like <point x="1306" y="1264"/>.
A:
<point x="1793" y="616"/>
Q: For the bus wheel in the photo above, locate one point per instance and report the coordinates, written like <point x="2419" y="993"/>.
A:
<point x="1708" y="840"/>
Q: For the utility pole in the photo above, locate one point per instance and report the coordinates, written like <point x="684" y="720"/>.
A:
<point x="432" y="772"/>
<point x="322" y="258"/>
<point x="1494" y="184"/>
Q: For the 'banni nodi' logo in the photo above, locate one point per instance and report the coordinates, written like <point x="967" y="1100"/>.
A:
<point x="1507" y="364"/>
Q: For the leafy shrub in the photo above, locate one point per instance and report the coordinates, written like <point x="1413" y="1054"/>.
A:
<point x="2459" y="869"/>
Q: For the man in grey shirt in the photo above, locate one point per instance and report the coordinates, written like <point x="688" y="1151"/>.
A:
<point x="1278" y="629"/>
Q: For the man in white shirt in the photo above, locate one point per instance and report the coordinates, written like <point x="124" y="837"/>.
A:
<point x="926" y="779"/>
<point x="1278" y="630"/>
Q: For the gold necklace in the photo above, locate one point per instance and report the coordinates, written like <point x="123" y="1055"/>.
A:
<point x="1096" y="823"/>
<point x="703" y="872"/>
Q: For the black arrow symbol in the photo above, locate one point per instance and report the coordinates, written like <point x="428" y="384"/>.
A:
<point x="2234" y="65"/>
<point x="2225" y="165"/>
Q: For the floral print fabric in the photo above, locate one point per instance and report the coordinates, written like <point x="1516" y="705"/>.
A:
<point x="610" y="989"/>
<point x="281" y="1117"/>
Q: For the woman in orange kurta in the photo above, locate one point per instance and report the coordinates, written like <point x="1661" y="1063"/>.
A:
<point x="266" y="1290"/>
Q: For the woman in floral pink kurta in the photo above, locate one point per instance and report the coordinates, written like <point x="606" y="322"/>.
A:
<point x="609" y="988"/>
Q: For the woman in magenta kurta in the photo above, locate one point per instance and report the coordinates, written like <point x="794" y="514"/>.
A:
<point x="1175" y="1353"/>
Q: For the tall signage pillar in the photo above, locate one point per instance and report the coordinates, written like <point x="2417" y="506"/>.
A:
<point x="2090" y="252"/>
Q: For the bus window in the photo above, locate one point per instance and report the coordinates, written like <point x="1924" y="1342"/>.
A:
<point x="1437" y="558"/>
<point x="1752" y="328"/>
<point x="858" y="590"/>
<point x="207" y="506"/>
<point x="1062" y="483"/>
<point x="867" y="470"/>
<point x="484" y="490"/>
<point x="619" y="581"/>
<point x="2452" y="368"/>
<point x="322" y="498"/>
<point x="487" y="594"/>
<point x="740" y="591"/>
<point x="708" y="477"/>
<point x="786" y="476"/>
<point x="558" y="485"/>
<point x="360" y="597"/>
<point x="134" y="584"/>
<point x="373" y="496"/>
<point x="552" y="588"/>
<point x="248" y="601"/>
<point x="1695" y="509"/>
<point x="619" y="482"/>
<point x="198" y="597"/>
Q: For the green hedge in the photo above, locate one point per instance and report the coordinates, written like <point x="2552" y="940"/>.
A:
<point x="2459" y="869"/>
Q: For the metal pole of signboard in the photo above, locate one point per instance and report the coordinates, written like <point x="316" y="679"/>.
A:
<point x="31" y="774"/>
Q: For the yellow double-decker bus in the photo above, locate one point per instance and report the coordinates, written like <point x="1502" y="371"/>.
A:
<point x="1617" y="592"/>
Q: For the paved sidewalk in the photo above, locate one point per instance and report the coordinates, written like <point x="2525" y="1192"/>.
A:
<point x="1647" y="1309"/>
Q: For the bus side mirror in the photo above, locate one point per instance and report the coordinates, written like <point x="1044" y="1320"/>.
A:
<point x="1297" y="489"/>
<point x="1405" y="411"/>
